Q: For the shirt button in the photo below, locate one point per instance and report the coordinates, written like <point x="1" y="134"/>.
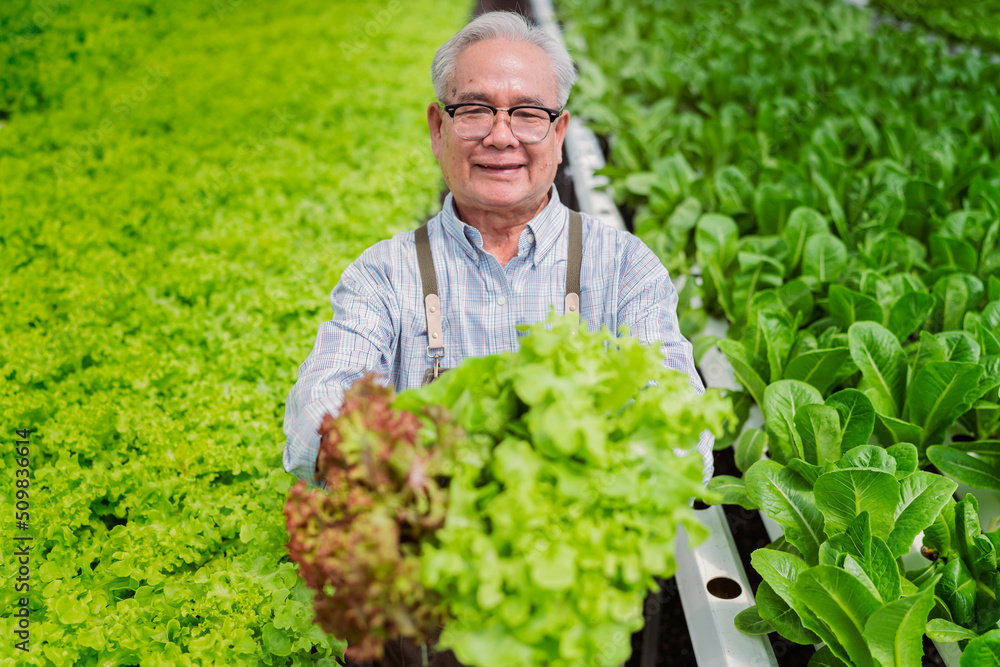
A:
<point x="530" y="238"/>
<point x="501" y="301"/>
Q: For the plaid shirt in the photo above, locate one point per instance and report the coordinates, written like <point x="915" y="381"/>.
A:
<point x="379" y="324"/>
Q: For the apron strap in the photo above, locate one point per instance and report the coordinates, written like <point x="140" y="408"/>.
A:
<point x="432" y="303"/>
<point x="574" y="259"/>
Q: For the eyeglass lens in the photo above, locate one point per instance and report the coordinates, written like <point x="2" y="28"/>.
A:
<point x="528" y="125"/>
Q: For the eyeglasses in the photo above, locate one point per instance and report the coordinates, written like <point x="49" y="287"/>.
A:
<point x="529" y="124"/>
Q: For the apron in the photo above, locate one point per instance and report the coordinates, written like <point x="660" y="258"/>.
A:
<point x="403" y="652"/>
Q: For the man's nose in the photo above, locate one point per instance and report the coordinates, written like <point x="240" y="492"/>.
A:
<point x="500" y="135"/>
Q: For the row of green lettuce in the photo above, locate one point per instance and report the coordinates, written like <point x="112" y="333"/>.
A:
<point x="182" y="185"/>
<point x="973" y="21"/>
<point x="839" y="190"/>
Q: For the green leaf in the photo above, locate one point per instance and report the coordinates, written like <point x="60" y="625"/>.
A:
<point x="803" y="223"/>
<point x="946" y="632"/>
<point x="780" y="571"/>
<point x="819" y="429"/>
<point x="824" y="657"/>
<point x="894" y="632"/>
<point x="930" y="348"/>
<point x="782" y="400"/>
<point x="732" y="490"/>
<point x="890" y="252"/>
<point x="983" y="650"/>
<point x="867" y="457"/>
<point x="977" y="473"/>
<point x="854" y="568"/>
<point x="749" y="621"/>
<point x="70" y="611"/>
<point x="842" y="494"/>
<point x="959" y="346"/>
<point x="879" y="356"/>
<point x="640" y="183"/>
<point x="787" y="499"/>
<point x="857" y="417"/>
<point x="819" y="368"/>
<point x="772" y="207"/>
<point x="832" y="203"/>
<point x="807" y="471"/>
<point x="716" y="236"/>
<point x="958" y="589"/>
<point x="954" y="295"/>
<point x="743" y="368"/>
<point x="824" y="258"/>
<point x="847" y="307"/>
<point x="855" y="541"/>
<point x="276" y="641"/>
<point x="782" y="618"/>
<point x="750" y="448"/>
<point x="940" y="535"/>
<point x="967" y="527"/>
<point x="881" y="567"/>
<point x="844" y="604"/>
<point x="685" y="215"/>
<point x="797" y="298"/>
<point x="556" y="570"/>
<point x="982" y="447"/>
<point x="734" y="190"/>
<point x="940" y="393"/>
<point x="909" y="312"/>
<point x="778" y="335"/>
<point x="953" y="253"/>
<point x="889" y="430"/>
<point x="906" y="458"/>
<point x="922" y="495"/>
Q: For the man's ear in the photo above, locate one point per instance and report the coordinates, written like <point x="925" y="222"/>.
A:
<point x="435" y="124"/>
<point x="562" y="123"/>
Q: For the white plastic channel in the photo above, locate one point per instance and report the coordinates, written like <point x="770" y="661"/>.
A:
<point x="714" y="636"/>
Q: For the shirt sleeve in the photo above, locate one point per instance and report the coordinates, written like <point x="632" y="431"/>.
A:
<point x="648" y="305"/>
<point x="361" y="337"/>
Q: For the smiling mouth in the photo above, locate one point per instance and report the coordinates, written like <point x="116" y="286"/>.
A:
<point x="500" y="169"/>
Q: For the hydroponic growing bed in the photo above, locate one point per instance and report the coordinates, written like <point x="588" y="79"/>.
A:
<point x="837" y="186"/>
<point x="182" y="184"/>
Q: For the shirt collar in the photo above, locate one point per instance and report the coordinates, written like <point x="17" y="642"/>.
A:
<point x="540" y="232"/>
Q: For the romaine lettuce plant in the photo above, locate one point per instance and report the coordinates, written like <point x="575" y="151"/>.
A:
<point x="965" y="559"/>
<point x="834" y="577"/>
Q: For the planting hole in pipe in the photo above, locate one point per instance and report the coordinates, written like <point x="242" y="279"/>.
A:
<point x="698" y="505"/>
<point x="724" y="588"/>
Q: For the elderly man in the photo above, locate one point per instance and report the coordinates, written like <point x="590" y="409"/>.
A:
<point x="500" y="253"/>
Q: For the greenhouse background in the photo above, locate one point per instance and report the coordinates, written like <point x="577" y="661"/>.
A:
<point x="182" y="183"/>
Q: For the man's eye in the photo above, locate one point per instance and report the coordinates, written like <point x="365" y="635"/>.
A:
<point x="531" y="116"/>
<point x="474" y="112"/>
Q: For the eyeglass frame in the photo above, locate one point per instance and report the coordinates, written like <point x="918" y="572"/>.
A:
<point x="554" y="115"/>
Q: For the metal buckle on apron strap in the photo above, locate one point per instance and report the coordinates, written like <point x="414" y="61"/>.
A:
<point x="432" y="374"/>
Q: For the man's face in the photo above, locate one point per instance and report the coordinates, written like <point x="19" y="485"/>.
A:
<point x="499" y="174"/>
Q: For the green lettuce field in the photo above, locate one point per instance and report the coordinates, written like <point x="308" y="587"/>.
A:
<point x="180" y="186"/>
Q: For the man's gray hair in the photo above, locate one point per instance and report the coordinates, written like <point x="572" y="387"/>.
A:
<point x="506" y="26"/>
